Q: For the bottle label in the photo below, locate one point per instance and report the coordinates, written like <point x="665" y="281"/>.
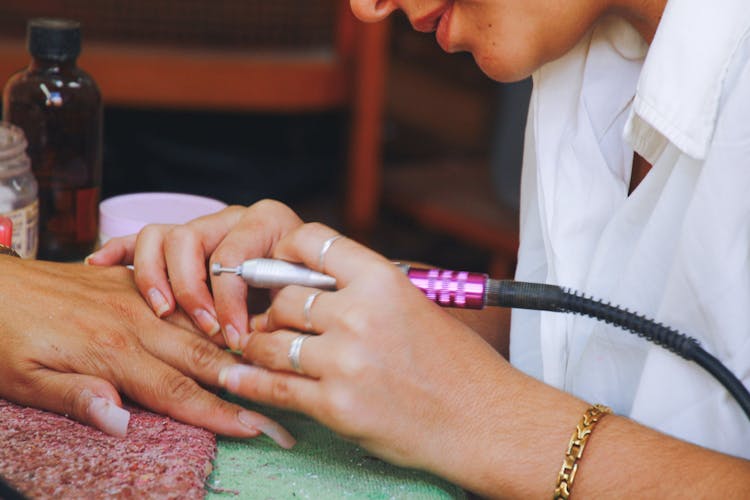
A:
<point x="25" y="230"/>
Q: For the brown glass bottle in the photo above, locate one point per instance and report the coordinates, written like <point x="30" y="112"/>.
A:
<point x="59" y="108"/>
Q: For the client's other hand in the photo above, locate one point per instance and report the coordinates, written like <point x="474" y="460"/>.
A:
<point x="75" y="337"/>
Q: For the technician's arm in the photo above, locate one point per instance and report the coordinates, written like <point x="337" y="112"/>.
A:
<point x="400" y="376"/>
<point x="491" y="323"/>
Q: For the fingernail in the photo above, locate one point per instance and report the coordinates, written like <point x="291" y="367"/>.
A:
<point x="251" y="324"/>
<point x="88" y="257"/>
<point x="229" y="376"/>
<point x="232" y="337"/>
<point x="268" y="427"/>
<point x="247" y="421"/>
<point x="207" y="322"/>
<point x="158" y="303"/>
<point x="108" y="417"/>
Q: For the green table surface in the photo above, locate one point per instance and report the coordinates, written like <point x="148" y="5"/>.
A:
<point x="320" y="466"/>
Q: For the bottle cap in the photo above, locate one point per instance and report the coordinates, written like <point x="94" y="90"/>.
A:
<point x="54" y="39"/>
<point x="6" y="231"/>
<point x="12" y="143"/>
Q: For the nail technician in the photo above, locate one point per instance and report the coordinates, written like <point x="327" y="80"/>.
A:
<point x="634" y="188"/>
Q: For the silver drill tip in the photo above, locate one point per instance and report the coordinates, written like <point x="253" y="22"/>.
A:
<point x="216" y="269"/>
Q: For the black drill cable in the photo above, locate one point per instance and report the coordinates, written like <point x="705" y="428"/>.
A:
<point x="8" y="492"/>
<point x="544" y="297"/>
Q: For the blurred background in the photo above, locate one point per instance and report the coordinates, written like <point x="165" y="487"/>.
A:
<point x="369" y="128"/>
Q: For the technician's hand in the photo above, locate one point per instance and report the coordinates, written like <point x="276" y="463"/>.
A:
<point x="381" y="366"/>
<point x="171" y="264"/>
<point x="76" y="337"/>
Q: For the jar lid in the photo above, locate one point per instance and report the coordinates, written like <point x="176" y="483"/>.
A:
<point x="6" y="231"/>
<point x="54" y="39"/>
<point x="127" y="214"/>
<point x="12" y="142"/>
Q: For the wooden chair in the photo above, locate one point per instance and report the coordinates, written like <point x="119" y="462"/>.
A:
<point x="237" y="55"/>
<point x="456" y="198"/>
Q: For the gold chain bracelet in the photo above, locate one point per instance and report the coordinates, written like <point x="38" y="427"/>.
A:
<point x="575" y="450"/>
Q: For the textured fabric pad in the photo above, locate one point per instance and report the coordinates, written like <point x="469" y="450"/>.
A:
<point x="320" y="466"/>
<point x="48" y="456"/>
<point x="45" y="455"/>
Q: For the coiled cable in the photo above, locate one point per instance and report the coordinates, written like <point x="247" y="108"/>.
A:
<point x="545" y="297"/>
<point x="8" y="492"/>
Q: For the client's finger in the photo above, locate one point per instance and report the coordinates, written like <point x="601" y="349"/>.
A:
<point x="163" y="389"/>
<point x="193" y="355"/>
<point x="85" y="398"/>
<point x="180" y="319"/>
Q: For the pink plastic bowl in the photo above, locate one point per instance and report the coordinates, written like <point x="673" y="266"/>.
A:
<point x="127" y="214"/>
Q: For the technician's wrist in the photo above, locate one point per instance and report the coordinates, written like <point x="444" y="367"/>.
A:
<point x="482" y="449"/>
<point x="528" y="424"/>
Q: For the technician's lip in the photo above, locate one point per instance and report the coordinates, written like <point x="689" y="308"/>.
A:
<point x="443" y="35"/>
<point x="429" y="22"/>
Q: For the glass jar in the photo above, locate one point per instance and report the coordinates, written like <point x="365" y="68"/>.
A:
<point x="18" y="191"/>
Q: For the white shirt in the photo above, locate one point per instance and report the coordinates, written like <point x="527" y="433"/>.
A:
<point x="677" y="249"/>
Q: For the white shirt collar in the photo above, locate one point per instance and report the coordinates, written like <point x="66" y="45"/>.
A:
<point x="680" y="86"/>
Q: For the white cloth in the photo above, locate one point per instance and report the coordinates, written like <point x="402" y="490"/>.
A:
<point x="677" y="249"/>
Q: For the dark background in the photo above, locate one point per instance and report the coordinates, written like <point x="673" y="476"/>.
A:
<point x="438" y="107"/>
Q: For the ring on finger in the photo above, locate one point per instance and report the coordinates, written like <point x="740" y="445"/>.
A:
<point x="294" y="351"/>
<point x="324" y="250"/>
<point x="307" y="309"/>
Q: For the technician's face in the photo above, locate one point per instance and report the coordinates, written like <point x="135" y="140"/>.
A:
<point x="508" y="38"/>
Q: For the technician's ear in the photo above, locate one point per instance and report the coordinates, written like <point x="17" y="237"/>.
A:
<point x="371" y="11"/>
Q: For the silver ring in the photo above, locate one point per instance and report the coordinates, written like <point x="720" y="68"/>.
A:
<point x="294" y="351"/>
<point x="324" y="250"/>
<point x="307" y="310"/>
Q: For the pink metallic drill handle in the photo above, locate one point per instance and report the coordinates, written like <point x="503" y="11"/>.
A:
<point x="459" y="289"/>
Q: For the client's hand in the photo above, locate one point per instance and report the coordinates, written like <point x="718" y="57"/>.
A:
<point x="74" y="337"/>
